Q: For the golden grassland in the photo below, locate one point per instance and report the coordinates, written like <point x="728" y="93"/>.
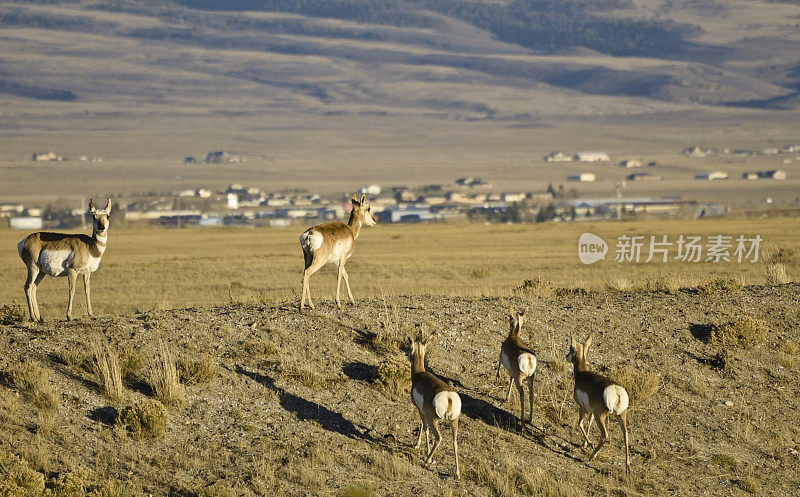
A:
<point x="151" y="268"/>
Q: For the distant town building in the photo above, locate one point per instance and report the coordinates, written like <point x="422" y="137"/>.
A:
<point x="584" y="177"/>
<point x="190" y="160"/>
<point x="630" y="163"/>
<point x="26" y="223"/>
<point x="370" y="190"/>
<point x="642" y="177"/>
<point x="712" y="175"/>
<point x="696" y="152"/>
<point x="220" y="157"/>
<point x="776" y="174"/>
<point x="557" y="157"/>
<point x="591" y="157"/>
<point x="46" y="156"/>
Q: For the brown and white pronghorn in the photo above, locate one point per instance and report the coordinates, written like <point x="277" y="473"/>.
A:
<point x="598" y="397"/>
<point x="60" y="254"/>
<point x="520" y="362"/>
<point x="435" y="401"/>
<point x="333" y="242"/>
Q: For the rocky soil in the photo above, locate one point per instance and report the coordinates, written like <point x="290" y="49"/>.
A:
<point x="296" y="411"/>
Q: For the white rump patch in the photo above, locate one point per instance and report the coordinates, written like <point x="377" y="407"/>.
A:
<point x="615" y="398"/>
<point x="583" y="400"/>
<point x="311" y="240"/>
<point x="419" y="399"/>
<point x="55" y="262"/>
<point x="527" y="364"/>
<point x="447" y="405"/>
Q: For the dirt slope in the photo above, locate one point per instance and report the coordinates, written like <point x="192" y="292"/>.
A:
<point x="295" y="410"/>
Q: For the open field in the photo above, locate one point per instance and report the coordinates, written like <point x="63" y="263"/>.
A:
<point x="164" y="269"/>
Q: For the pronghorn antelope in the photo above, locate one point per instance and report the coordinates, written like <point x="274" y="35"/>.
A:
<point x="598" y="397"/>
<point x="435" y="400"/>
<point x="519" y="361"/>
<point x="59" y="254"/>
<point x="333" y="242"/>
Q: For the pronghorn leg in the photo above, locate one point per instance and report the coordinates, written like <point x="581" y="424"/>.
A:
<point x="623" y="424"/>
<point x="88" y="290"/>
<point x="510" y="384"/>
<point x="312" y="268"/>
<point x="347" y="284"/>
<point x="589" y="426"/>
<point x="530" y="387"/>
<point x="339" y="283"/>
<point x="601" y="422"/>
<point x="427" y="438"/>
<point x="71" y="276"/>
<point x="499" y="364"/>
<point x="455" y="447"/>
<point x="521" y="391"/>
<point x="30" y="291"/>
<point x="34" y="295"/>
<point x="582" y="415"/>
<point x="437" y="439"/>
<point x="419" y="438"/>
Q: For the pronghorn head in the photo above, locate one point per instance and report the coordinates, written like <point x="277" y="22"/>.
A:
<point x="515" y="319"/>
<point x="416" y="351"/>
<point x="361" y="210"/>
<point x="577" y="352"/>
<point x="100" y="218"/>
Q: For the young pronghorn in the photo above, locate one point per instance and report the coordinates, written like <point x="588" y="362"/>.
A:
<point x="520" y="362"/>
<point x="435" y="400"/>
<point x="598" y="397"/>
<point x="333" y="242"/>
<point x="59" y="254"/>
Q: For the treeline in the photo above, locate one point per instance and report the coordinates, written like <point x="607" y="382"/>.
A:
<point x="391" y="12"/>
<point x="537" y="24"/>
<point x="551" y="25"/>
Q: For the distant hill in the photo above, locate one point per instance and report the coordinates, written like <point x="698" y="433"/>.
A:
<point x="484" y="60"/>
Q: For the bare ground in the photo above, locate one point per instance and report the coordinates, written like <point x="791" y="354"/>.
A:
<point x="295" y="410"/>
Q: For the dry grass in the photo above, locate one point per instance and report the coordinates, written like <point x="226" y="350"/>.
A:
<point x="507" y="476"/>
<point x="162" y="376"/>
<point x="33" y="380"/>
<point x="106" y="369"/>
<point x="196" y="371"/>
<point x="392" y="375"/>
<point x="391" y="260"/>
<point x="640" y="384"/>
<point x="745" y="332"/>
<point x="12" y="313"/>
<point x="720" y="285"/>
<point x="130" y="365"/>
<point x="775" y="274"/>
<point x="146" y="419"/>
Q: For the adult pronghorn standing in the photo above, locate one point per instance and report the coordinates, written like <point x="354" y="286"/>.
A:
<point x="597" y="397"/>
<point x="434" y="400"/>
<point x="520" y="362"/>
<point x="333" y="242"/>
<point x="60" y="254"/>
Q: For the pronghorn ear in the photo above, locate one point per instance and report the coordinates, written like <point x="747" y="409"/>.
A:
<point x="354" y="199"/>
<point x="588" y="342"/>
<point x="572" y="342"/>
<point x="522" y="313"/>
<point x="92" y="208"/>
<point x="108" y="207"/>
<point x="363" y="199"/>
<point x="511" y="311"/>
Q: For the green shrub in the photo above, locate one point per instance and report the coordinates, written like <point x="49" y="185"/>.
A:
<point x="216" y="490"/>
<point x="33" y="380"/>
<point x="747" y="485"/>
<point x="12" y="313"/>
<point x="745" y="332"/>
<point x="146" y="419"/>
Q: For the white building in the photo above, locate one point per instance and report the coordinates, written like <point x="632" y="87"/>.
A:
<point x="592" y="157"/>
<point x="584" y="177"/>
<point x="712" y="175"/>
